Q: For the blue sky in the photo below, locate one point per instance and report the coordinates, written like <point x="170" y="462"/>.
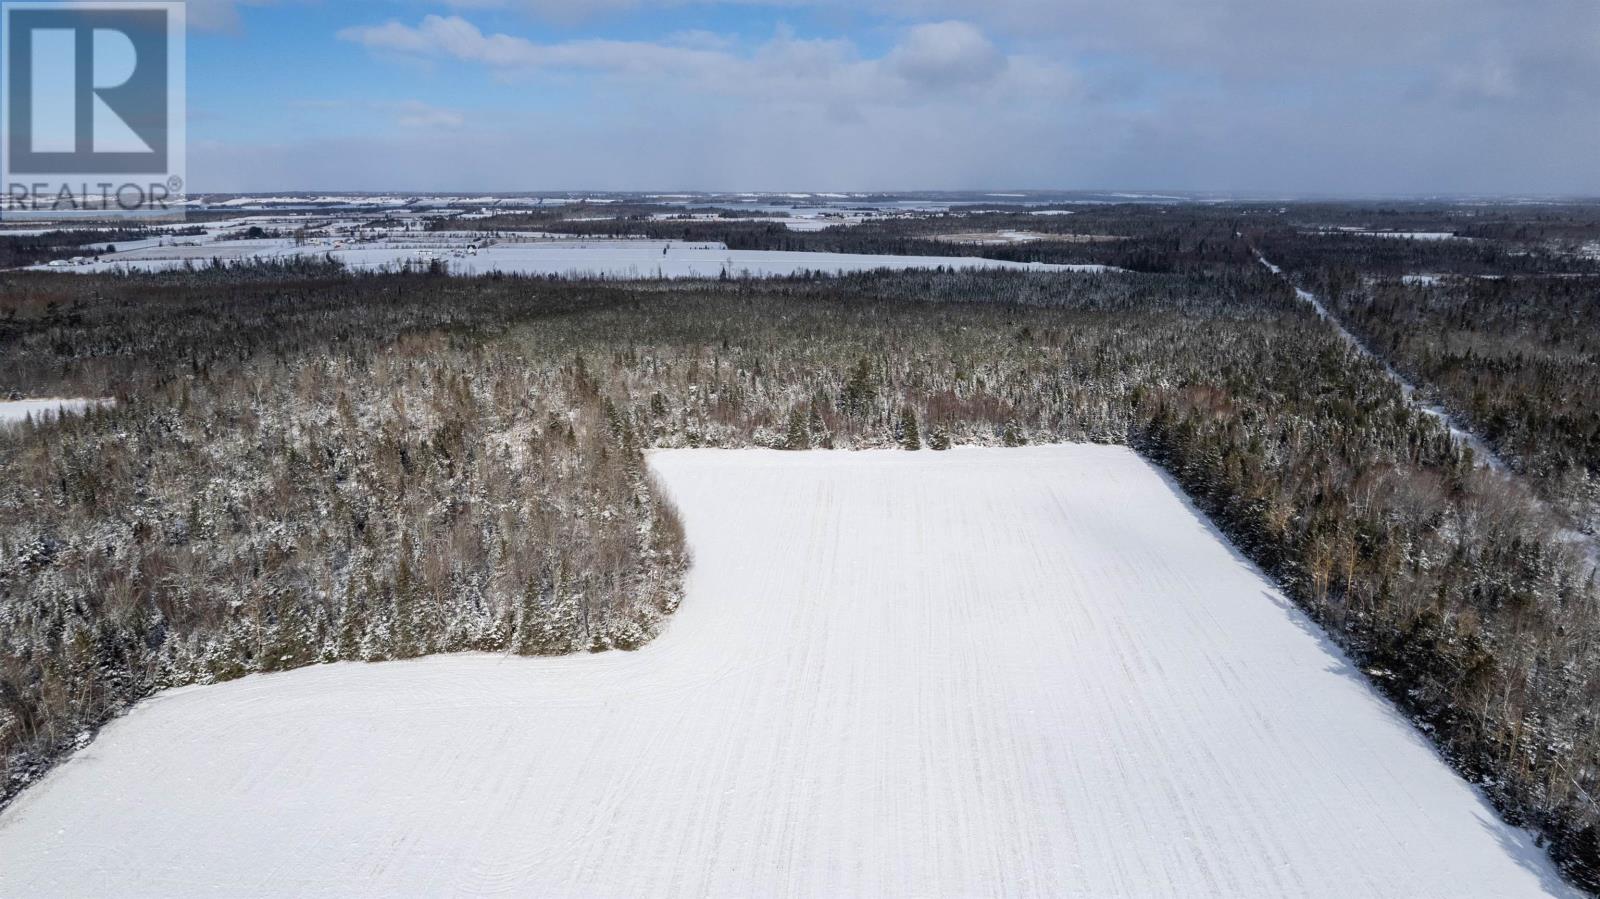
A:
<point x="1286" y="96"/>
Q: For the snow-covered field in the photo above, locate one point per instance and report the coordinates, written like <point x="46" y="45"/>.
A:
<point x="13" y="411"/>
<point x="655" y="259"/>
<point x="1412" y="235"/>
<point x="628" y="259"/>
<point x="983" y="672"/>
<point x="1007" y="238"/>
<point x="992" y="238"/>
<point x="1397" y="235"/>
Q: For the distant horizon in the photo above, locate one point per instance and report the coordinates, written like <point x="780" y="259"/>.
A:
<point x="998" y="194"/>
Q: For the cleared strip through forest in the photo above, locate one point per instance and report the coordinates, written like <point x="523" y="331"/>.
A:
<point x="1482" y="452"/>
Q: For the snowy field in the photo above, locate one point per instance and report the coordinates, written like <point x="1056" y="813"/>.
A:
<point x="656" y="259"/>
<point x="983" y="672"/>
<point x="1397" y="235"/>
<point x="41" y="410"/>
<point x="624" y="259"/>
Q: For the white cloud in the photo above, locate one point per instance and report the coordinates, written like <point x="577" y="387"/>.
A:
<point x="1268" y="95"/>
<point x="405" y="113"/>
<point x="218" y="15"/>
<point x="416" y="114"/>
<point x="1490" y="49"/>
<point x="945" y="53"/>
<point x="567" y="11"/>
<point x="931" y="62"/>
<point x="452" y="37"/>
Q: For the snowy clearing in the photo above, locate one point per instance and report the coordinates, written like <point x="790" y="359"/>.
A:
<point x="13" y="411"/>
<point x="1395" y="235"/>
<point x="1412" y="235"/>
<point x="625" y="259"/>
<point x="983" y="672"/>
<point x="992" y="238"/>
<point x="1006" y="238"/>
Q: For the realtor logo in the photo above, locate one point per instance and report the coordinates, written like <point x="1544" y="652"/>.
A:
<point x="94" y="102"/>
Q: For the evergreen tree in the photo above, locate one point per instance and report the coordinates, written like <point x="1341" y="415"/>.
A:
<point x="799" y="436"/>
<point x="818" y="428"/>
<point x="859" y="392"/>
<point x="910" y="436"/>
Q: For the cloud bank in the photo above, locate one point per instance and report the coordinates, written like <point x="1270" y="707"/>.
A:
<point x="1286" y="96"/>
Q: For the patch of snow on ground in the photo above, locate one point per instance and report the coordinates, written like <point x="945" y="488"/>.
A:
<point x="1412" y="235"/>
<point x="627" y="259"/>
<point x="1396" y="235"/>
<point x="992" y="238"/>
<point x="14" y="411"/>
<point x="982" y="672"/>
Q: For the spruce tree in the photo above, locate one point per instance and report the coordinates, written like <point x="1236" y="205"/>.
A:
<point x="910" y="437"/>
<point x="860" y="392"/>
<point x="799" y="436"/>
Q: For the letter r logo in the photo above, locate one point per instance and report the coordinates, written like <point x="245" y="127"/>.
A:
<point x="88" y="87"/>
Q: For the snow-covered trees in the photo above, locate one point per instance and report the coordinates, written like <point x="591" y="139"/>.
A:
<point x="1513" y="359"/>
<point x="909" y="437"/>
<point x="799" y="434"/>
<point x="860" y="391"/>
